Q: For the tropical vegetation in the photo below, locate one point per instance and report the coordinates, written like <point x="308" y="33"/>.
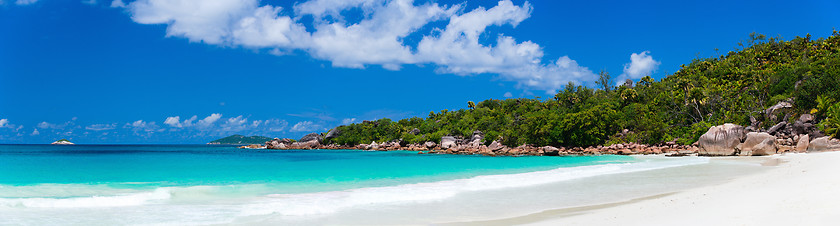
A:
<point x="735" y="87"/>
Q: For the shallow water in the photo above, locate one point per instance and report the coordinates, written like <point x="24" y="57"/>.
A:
<point x="199" y="184"/>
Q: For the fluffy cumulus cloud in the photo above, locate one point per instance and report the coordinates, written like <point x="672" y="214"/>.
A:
<point x="237" y="123"/>
<point x="641" y="65"/>
<point x="4" y="123"/>
<point x="209" y="120"/>
<point x="209" y="125"/>
<point x="455" y="46"/>
<point x="143" y="126"/>
<point x="175" y="121"/>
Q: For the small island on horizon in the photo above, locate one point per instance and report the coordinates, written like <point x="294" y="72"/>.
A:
<point x="62" y="142"/>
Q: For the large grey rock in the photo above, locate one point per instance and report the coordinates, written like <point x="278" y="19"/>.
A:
<point x="628" y="83"/>
<point x="758" y="144"/>
<point x="550" y="151"/>
<point x="721" y="140"/>
<point x="333" y="133"/>
<point x="475" y="143"/>
<point x="776" y="128"/>
<point x="495" y="146"/>
<point x="275" y="144"/>
<point x="310" y="137"/>
<point x="806" y="118"/>
<point x="430" y="144"/>
<point x="802" y="145"/>
<point x="447" y="142"/>
<point x="415" y="131"/>
<point x="477" y="135"/>
<point x="311" y="144"/>
<point x="823" y="144"/>
<point x="772" y="110"/>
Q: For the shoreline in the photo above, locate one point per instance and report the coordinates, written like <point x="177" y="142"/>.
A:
<point x="796" y="191"/>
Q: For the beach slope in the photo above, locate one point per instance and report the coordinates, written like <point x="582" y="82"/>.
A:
<point x="802" y="190"/>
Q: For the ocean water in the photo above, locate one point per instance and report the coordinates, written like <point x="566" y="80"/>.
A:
<point x="200" y="184"/>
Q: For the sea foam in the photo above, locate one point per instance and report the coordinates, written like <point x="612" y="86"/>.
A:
<point x="132" y="199"/>
<point x="330" y="202"/>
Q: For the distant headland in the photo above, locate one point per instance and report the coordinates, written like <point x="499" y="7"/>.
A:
<point x="240" y="139"/>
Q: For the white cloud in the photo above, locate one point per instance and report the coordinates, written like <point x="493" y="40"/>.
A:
<point x="641" y="65"/>
<point x="305" y="126"/>
<point x="141" y="125"/>
<point x="508" y="95"/>
<point x="237" y="123"/>
<point x="47" y="125"/>
<point x="378" y="38"/>
<point x="173" y="121"/>
<point x="117" y="4"/>
<point x="100" y="127"/>
<point x="223" y="22"/>
<point x="209" y="120"/>
<point x="348" y="121"/>
<point x="275" y="125"/>
<point x="25" y="2"/>
<point x="4" y="123"/>
<point x="89" y="2"/>
<point x="34" y="132"/>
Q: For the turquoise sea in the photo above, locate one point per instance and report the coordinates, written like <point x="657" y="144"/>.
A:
<point x="203" y="184"/>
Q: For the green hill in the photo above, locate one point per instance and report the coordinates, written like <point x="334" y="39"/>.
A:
<point x="240" y="139"/>
<point x="735" y="87"/>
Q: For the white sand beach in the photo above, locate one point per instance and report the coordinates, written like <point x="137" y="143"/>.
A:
<point x="801" y="190"/>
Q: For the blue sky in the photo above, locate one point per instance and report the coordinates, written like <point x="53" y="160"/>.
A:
<point x="179" y="71"/>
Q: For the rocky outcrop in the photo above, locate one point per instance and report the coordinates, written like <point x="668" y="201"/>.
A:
<point x="823" y="144"/>
<point x="310" y="141"/>
<point x="776" y="128"/>
<point x="770" y="113"/>
<point x="252" y="146"/>
<point x="447" y="142"/>
<point x="758" y="144"/>
<point x="311" y="137"/>
<point x="333" y="133"/>
<point x="414" y="131"/>
<point x="277" y="143"/>
<point x="550" y="151"/>
<point x="802" y="144"/>
<point x="721" y="140"/>
<point x="429" y="144"/>
<point x="495" y="146"/>
<point x="311" y="144"/>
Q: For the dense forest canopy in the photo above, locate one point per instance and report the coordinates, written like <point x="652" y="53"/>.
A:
<point x="735" y="87"/>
